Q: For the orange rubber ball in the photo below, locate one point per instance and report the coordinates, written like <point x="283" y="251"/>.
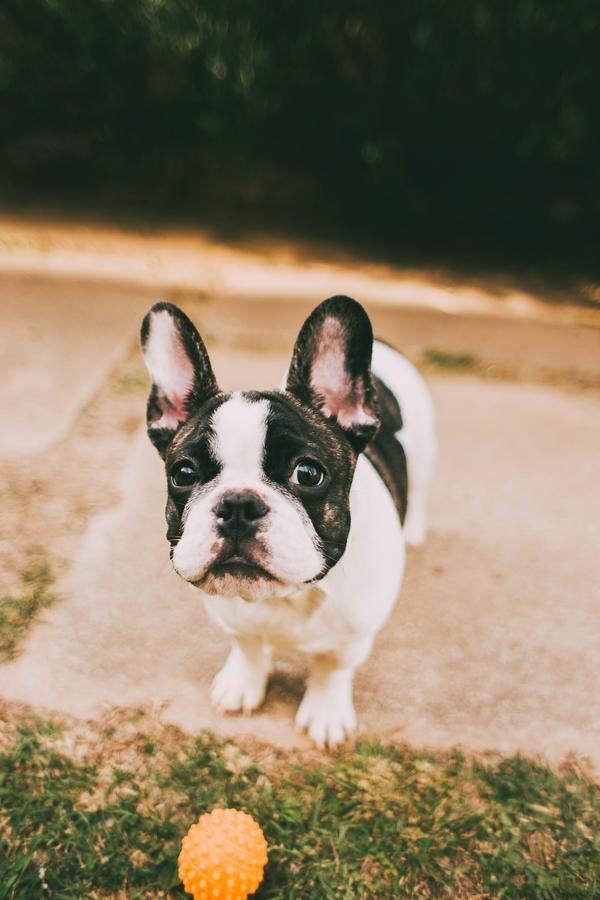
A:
<point x="223" y="856"/>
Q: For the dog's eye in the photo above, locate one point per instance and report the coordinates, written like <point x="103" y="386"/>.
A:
<point x="183" y="474"/>
<point x="308" y="473"/>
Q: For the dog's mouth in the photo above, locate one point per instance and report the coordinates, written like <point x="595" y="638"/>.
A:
<point x="237" y="567"/>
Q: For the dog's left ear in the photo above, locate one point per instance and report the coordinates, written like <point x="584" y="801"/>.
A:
<point x="182" y="376"/>
<point x="331" y="368"/>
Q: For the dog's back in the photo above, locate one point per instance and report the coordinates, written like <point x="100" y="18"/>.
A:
<point x="404" y="450"/>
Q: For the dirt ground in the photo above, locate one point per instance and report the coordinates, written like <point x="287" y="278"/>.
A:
<point x="495" y="640"/>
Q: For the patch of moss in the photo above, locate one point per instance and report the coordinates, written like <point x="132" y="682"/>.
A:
<point x="20" y="609"/>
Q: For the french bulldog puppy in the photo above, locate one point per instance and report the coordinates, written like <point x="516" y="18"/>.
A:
<point x="288" y="510"/>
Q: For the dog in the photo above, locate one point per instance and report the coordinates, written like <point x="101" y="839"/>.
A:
<point x="288" y="510"/>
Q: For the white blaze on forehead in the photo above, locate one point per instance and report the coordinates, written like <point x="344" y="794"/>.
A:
<point x="170" y="367"/>
<point x="240" y="430"/>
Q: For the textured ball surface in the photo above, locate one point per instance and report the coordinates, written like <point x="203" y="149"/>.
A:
<point x="223" y="856"/>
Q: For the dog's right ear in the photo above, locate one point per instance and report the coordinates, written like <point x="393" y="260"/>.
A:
<point x="182" y="376"/>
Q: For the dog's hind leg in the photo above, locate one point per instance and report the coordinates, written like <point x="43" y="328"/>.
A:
<point x="415" y="524"/>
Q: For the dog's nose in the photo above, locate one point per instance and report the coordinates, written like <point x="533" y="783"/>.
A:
<point x="239" y="512"/>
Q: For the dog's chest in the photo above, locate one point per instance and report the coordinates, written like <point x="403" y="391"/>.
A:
<point x="307" y="621"/>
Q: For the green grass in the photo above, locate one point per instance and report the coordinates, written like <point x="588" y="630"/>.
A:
<point x="435" y="359"/>
<point x="10" y="243"/>
<point x="373" y="822"/>
<point x="19" y="610"/>
<point x="443" y="359"/>
<point x="130" y="380"/>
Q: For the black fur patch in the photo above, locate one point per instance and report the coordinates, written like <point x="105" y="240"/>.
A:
<point x="295" y="431"/>
<point x="386" y="452"/>
<point x="192" y="441"/>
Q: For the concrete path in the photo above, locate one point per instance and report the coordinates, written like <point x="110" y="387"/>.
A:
<point x="58" y="341"/>
<point x="495" y="641"/>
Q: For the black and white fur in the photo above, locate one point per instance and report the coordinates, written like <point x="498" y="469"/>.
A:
<point x="283" y="562"/>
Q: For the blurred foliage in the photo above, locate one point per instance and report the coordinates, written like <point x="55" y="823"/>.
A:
<point x="449" y="121"/>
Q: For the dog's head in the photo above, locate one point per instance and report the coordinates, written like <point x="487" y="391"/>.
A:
<point x="259" y="482"/>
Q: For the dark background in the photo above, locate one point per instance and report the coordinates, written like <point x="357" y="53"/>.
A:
<point x="423" y="127"/>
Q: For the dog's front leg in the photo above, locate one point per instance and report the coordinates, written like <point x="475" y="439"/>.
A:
<point x="241" y="683"/>
<point x="327" y="709"/>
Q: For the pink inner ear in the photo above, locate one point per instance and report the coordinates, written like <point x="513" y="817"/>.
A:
<point x="171" y="369"/>
<point x="173" y="414"/>
<point x="343" y="399"/>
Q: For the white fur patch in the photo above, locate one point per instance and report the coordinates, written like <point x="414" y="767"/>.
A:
<point x="242" y="682"/>
<point x="327" y="711"/>
<point x="169" y="366"/>
<point x="240" y="428"/>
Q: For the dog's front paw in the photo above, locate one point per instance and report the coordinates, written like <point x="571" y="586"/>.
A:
<point x="240" y="685"/>
<point x="327" y="715"/>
